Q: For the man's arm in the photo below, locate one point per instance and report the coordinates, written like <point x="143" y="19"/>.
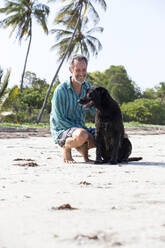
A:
<point x="59" y="106"/>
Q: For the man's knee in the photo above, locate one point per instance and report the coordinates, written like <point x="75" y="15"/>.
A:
<point x="80" y="135"/>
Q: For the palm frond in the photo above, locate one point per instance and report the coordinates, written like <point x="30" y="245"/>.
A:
<point x="95" y="41"/>
<point x="85" y="49"/>
<point x="9" y="98"/>
<point x="66" y="10"/>
<point x="95" y="29"/>
<point x="102" y="3"/>
<point x="85" y="10"/>
<point x="93" y="12"/>
<point x="41" y="12"/>
<point x="1" y="74"/>
<point x="24" y="29"/>
<point x="61" y="33"/>
<point x="61" y="45"/>
<point x="95" y="46"/>
<point x="69" y="14"/>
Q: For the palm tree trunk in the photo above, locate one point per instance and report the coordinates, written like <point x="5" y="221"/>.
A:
<point x="27" y="54"/>
<point x="56" y="74"/>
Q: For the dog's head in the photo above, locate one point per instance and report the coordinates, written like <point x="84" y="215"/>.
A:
<point x="94" y="96"/>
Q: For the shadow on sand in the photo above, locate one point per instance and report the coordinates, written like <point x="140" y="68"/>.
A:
<point x="146" y="163"/>
<point x="122" y="164"/>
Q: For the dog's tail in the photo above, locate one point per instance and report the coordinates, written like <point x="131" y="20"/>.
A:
<point x="134" y="159"/>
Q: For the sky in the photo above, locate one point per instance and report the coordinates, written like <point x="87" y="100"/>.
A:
<point x="134" y="37"/>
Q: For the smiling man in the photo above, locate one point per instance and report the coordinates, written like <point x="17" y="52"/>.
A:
<point x="67" y="118"/>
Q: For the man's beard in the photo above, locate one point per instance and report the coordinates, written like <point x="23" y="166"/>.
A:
<point x="78" y="81"/>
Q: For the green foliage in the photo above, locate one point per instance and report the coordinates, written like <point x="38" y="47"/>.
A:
<point x="7" y="96"/>
<point x="157" y="93"/>
<point x="97" y="78"/>
<point x="149" y="111"/>
<point x="25" y="107"/>
<point x="117" y="82"/>
<point x="160" y="91"/>
<point x="149" y="93"/>
<point x="10" y="97"/>
<point x="120" y="86"/>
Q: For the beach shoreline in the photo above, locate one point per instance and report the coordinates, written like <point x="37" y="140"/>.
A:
<point x="12" y="132"/>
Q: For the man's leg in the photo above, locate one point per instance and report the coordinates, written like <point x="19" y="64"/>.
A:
<point x="67" y="156"/>
<point x="82" y="141"/>
<point x="85" y="147"/>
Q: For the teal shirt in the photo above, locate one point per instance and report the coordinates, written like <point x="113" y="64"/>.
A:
<point x="66" y="112"/>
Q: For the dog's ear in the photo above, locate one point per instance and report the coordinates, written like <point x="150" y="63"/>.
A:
<point x="104" y="95"/>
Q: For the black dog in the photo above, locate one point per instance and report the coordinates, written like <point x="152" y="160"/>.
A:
<point x="111" y="146"/>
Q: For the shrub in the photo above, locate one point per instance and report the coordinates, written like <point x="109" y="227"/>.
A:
<point x="148" y="111"/>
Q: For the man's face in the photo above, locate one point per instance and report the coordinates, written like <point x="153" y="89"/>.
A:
<point x="79" y="71"/>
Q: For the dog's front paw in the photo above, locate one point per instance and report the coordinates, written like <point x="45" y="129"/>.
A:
<point x="98" y="162"/>
<point x="113" y="162"/>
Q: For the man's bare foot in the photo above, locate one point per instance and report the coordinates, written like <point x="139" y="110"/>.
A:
<point x="67" y="156"/>
<point x="72" y="161"/>
<point x="88" y="160"/>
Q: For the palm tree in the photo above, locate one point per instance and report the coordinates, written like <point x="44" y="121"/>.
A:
<point x="83" y="41"/>
<point x="20" y="14"/>
<point x="6" y="98"/>
<point x="70" y="14"/>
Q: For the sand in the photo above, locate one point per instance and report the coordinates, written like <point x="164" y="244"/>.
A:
<point x="113" y="205"/>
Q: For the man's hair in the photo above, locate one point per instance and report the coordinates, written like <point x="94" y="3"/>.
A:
<point x="78" y="57"/>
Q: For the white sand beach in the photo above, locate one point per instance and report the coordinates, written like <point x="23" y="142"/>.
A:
<point x="113" y="205"/>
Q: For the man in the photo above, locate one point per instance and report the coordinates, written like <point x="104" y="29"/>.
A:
<point x="67" y="119"/>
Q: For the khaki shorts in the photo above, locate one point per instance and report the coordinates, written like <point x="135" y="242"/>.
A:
<point x="68" y="133"/>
